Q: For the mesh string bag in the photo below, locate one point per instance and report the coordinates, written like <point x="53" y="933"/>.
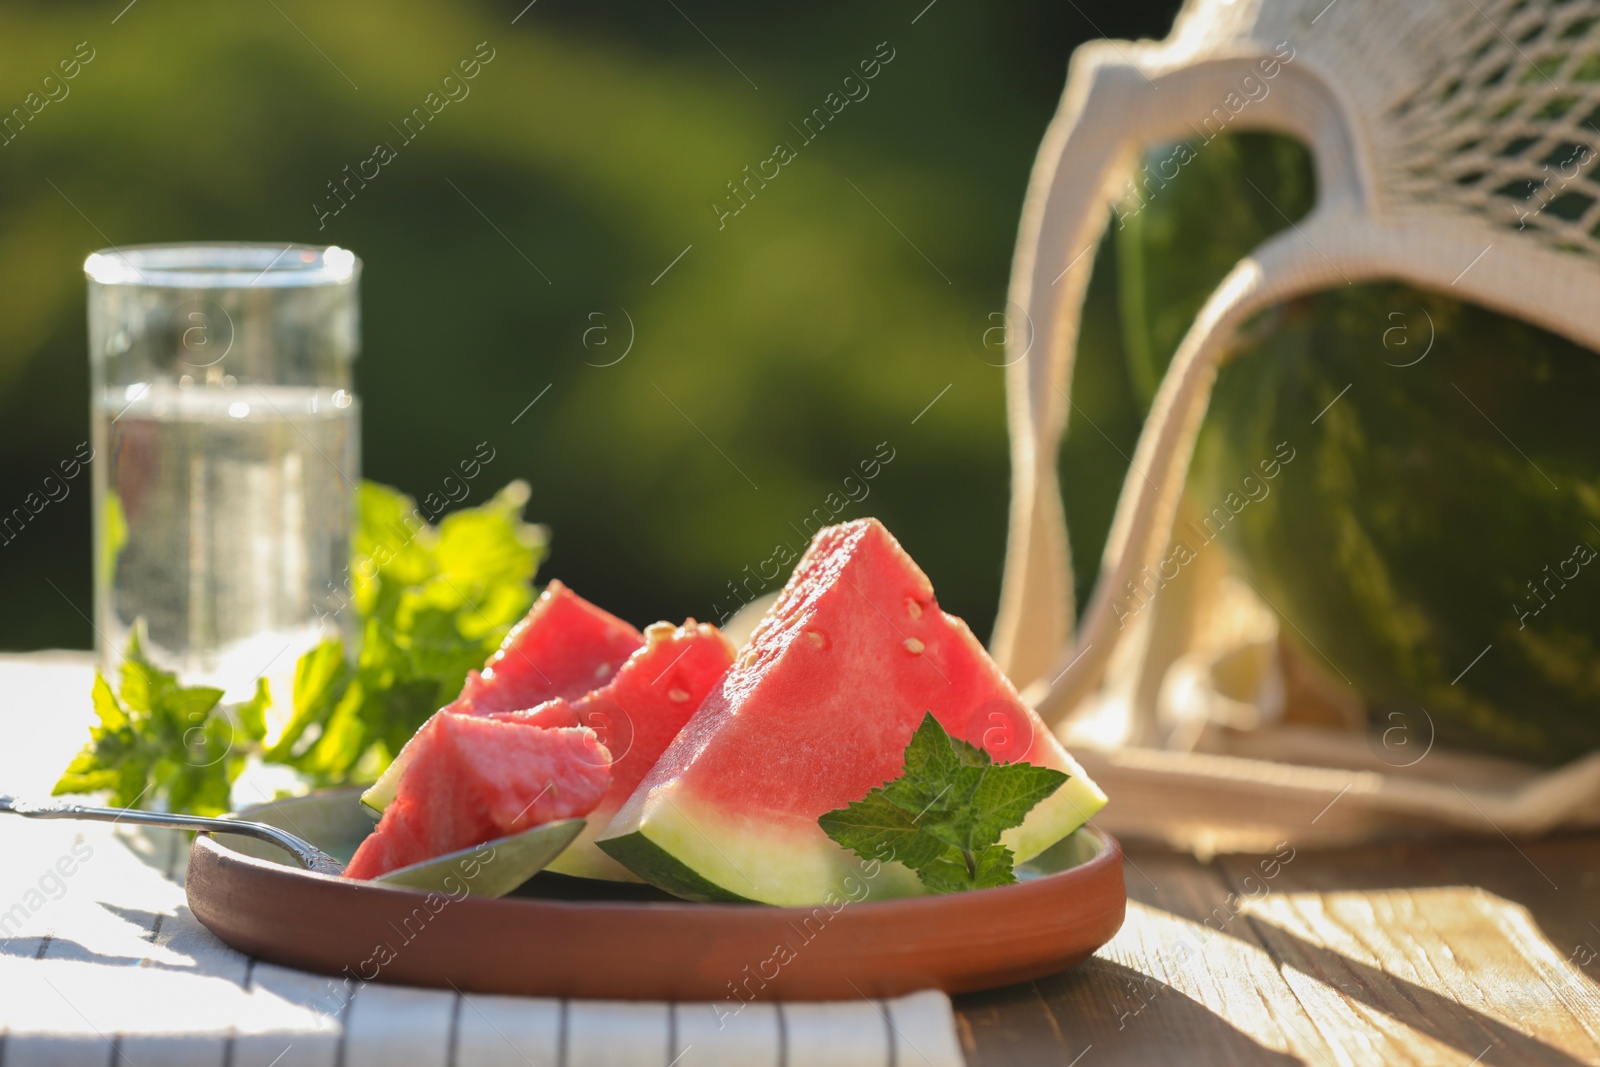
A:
<point x="1456" y="147"/>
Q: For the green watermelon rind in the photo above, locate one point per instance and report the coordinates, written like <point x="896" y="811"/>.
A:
<point x="698" y="858"/>
<point x="696" y="851"/>
<point x="581" y="861"/>
<point x="658" y="867"/>
<point x="1057" y="816"/>
<point x="1408" y="541"/>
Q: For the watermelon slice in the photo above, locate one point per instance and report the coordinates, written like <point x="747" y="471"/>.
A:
<point x="471" y="780"/>
<point x="563" y="648"/>
<point x="817" y="711"/>
<point x="636" y="716"/>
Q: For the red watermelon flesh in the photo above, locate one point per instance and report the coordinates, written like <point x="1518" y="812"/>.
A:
<point x="471" y="780"/>
<point x="637" y="715"/>
<point x="564" y="647"/>
<point x="818" y="711"/>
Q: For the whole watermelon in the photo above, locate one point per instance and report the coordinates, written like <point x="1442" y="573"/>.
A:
<point x="1434" y="538"/>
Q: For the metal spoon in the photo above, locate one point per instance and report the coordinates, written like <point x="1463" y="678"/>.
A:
<point x="509" y="861"/>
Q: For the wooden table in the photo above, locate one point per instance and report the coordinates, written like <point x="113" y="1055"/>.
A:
<point x="1480" y="951"/>
<point x="1459" y="952"/>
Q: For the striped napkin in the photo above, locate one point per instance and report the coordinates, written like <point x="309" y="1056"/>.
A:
<point x="101" y="962"/>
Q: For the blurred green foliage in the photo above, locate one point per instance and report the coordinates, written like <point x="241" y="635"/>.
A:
<point x="772" y="357"/>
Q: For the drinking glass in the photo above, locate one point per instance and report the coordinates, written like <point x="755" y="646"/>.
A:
<point x="226" y="440"/>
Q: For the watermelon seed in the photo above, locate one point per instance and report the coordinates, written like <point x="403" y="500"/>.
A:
<point x="914" y="646"/>
<point x="913" y="608"/>
<point x="677" y="696"/>
<point x="818" y="638"/>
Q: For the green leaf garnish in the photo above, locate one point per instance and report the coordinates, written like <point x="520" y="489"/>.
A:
<point x="426" y="603"/>
<point x="161" y="744"/>
<point x="433" y="603"/>
<point x="944" y="815"/>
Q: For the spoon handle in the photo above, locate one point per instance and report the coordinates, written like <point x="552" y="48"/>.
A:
<point x="310" y="856"/>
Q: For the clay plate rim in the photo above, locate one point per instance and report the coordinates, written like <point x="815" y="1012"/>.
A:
<point x="619" y="949"/>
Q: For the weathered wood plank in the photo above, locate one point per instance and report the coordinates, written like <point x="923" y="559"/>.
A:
<point x="1179" y="978"/>
<point x="1010" y="1027"/>
<point x="1447" y="972"/>
<point x="1556" y="879"/>
<point x="1464" y="952"/>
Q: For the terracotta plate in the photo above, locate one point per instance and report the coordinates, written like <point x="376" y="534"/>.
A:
<point x="575" y="938"/>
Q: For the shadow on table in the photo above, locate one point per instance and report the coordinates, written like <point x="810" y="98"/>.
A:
<point x="1552" y="879"/>
<point x="1557" y="879"/>
<point x="1472" y="1033"/>
<point x="59" y="949"/>
<point x="1058" y="1020"/>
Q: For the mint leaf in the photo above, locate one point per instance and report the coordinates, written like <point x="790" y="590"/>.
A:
<point x="320" y="678"/>
<point x="874" y="827"/>
<point x="957" y="871"/>
<point x="423" y="605"/>
<point x="950" y="818"/>
<point x="252" y="714"/>
<point x="994" y="867"/>
<point x="947" y="874"/>
<point x="1004" y="796"/>
<point x="933" y="761"/>
<point x="161" y="744"/>
<point x="943" y="817"/>
<point x="434" y="602"/>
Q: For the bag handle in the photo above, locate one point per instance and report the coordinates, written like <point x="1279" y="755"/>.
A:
<point x="1121" y="98"/>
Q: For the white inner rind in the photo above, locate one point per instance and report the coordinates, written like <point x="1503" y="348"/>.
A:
<point x="798" y="865"/>
<point x="1057" y="815"/>
<point x="583" y="859"/>
<point x="382" y="792"/>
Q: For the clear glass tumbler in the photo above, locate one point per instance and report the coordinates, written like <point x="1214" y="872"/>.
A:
<point x="226" y="441"/>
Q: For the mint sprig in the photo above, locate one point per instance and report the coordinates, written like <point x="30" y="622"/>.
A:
<point x="428" y="603"/>
<point x="944" y="815"/>
<point x="431" y="604"/>
<point x="157" y="741"/>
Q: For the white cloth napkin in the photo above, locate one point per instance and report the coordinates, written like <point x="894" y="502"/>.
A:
<point x="101" y="962"/>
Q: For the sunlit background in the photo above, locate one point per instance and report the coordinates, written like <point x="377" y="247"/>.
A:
<point x="574" y="201"/>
